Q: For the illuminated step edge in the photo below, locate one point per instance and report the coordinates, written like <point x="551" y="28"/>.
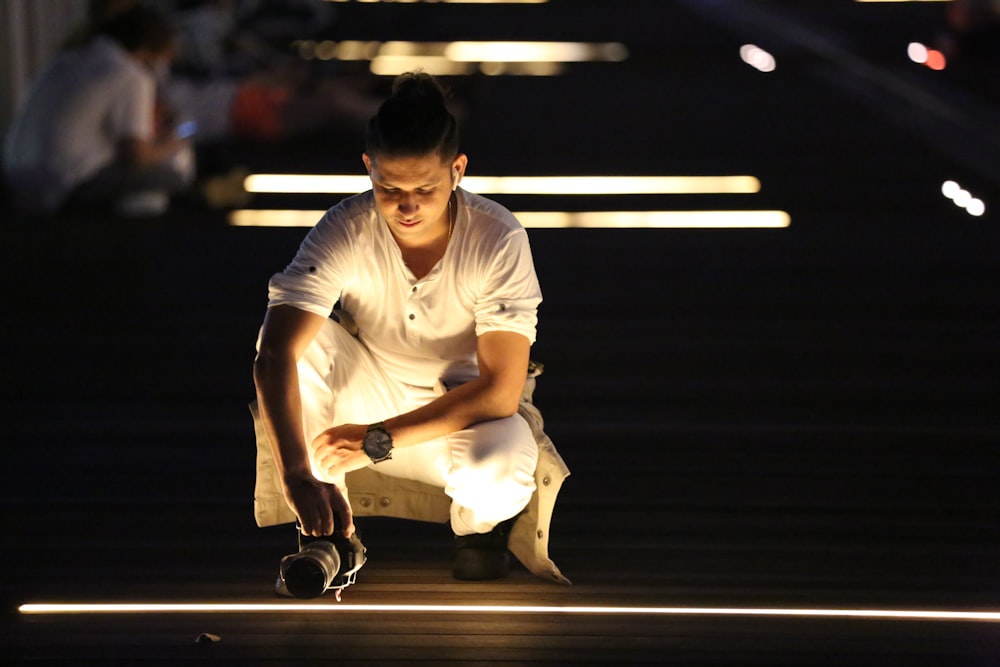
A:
<point x="457" y="58"/>
<point x="518" y="185"/>
<point x="467" y="52"/>
<point x="214" y="607"/>
<point x="560" y="219"/>
<point x="454" y="2"/>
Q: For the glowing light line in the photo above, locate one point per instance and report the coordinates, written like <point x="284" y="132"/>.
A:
<point x="561" y="219"/>
<point x="456" y="58"/>
<point x="655" y="219"/>
<point x="456" y="2"/>
<point x="565" y="52"/>
<point x="201" y="608"/>
<point x="519" y="185"/>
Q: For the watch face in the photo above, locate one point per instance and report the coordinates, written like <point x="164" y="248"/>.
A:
<point x="377" y="443"/>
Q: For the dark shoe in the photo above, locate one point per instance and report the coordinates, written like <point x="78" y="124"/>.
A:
<point x="482" y="556"/>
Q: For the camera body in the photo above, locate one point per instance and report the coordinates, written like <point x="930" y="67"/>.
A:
<point x="322" y="564"/>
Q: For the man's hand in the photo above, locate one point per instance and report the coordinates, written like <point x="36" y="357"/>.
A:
<point x="337" y="450"/>
<point x="315" y="503"/>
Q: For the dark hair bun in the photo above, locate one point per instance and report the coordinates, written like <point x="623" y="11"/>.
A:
<point x="418" y="85"/>
<point x="415" y="120"/>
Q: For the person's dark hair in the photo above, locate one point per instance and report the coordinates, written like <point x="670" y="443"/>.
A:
<point x="141" y="27"/>
<point x="414" y="121"/>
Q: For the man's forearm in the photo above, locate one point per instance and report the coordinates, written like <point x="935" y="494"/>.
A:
<point x="471" y="403"/>
<point x="503" y="366"/>
<point x="280" y="405"/>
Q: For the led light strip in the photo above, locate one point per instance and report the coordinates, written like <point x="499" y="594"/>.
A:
<point x="465" y="51"/>
<point x="560" y="219"/>
<point x="456" y="58"/>
<point x="518" y="185"/>
<point x="200" y="608"/>
<point x="655" y="220"/>
<point x="454" y="2"/>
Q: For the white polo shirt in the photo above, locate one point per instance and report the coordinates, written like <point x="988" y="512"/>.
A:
<point x="422" y="330"/>
<point x="79" y="108"/>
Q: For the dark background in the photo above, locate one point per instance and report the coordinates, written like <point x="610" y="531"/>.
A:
<point x="804" y="417"/>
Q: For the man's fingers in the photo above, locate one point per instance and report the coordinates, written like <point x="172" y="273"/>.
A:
<point x="343" y="510"/>
<point x="325" y="520"/>
<point x="316" y="507"/>
<point x="348" y="524"/>
<point x="308" y="523"/>
<point x="329" y="458"/>
<point x="317" y="521"/>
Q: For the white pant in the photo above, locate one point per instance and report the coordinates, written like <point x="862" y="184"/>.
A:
<point x="487" y="469"/>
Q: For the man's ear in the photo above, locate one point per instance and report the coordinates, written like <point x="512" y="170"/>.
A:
<point x="368" y="163"/>
<point x="458" y="166"/>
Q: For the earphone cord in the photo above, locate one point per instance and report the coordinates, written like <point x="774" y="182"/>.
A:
<point x="451" y="220"/>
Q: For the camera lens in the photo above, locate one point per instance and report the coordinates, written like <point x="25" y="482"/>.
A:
<point x="308" y="573"/>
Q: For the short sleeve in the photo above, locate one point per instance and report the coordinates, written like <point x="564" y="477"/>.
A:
<point x="322" y="267"/>
<point x="510" y="294"/>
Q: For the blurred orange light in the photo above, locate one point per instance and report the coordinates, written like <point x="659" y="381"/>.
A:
<point x="935" y="60"/>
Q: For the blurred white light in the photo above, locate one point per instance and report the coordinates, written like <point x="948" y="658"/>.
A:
<point x="962" y="198"/>
<point x="462" y="58"/>
<point x="611" y="185"/>
<point x="248" y="217"/>
<point x="510" y="52"/>
<point x="950" y="188"/>
<point x="656" y="220"/>
<point x="519" y="185"/>
<point x="520" y="68"/>
<point x="561" y="219"/>
<point x="467" y="52"/>
<point x="306" y="183"/>
<point x="435" y="65"/>
<point x="917" y="52"/>
<point x="757" y="58"/>
<point x="459" y="2"/>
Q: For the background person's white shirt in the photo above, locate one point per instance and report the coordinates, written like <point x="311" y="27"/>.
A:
<point x="80" y="107"/>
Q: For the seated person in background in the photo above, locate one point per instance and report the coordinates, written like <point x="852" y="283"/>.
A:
<point x="86" y="138"/>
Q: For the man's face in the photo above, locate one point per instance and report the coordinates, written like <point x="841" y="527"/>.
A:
<point x="412" y="194"/>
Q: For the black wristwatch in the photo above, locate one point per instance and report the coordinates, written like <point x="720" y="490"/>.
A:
<point x="377" y="443"/>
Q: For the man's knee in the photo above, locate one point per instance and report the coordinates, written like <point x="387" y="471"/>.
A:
<point x="495" y="453"/>
<point x="504" y="437"/>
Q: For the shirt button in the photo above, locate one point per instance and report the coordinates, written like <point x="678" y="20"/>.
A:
<point x="414" y="289"/>
<point x="412" y="316"/>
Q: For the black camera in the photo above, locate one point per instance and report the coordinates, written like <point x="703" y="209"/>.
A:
<point x="322" y="564"/>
